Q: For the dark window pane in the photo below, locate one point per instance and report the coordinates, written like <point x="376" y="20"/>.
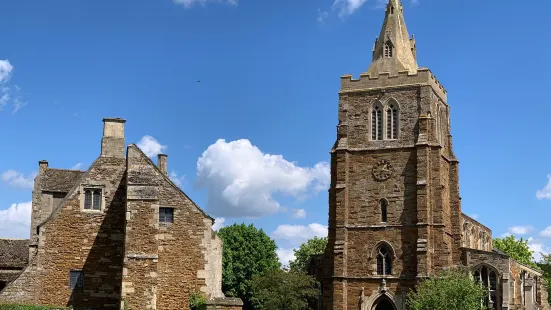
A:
<point x="383" y="211"/>
<point x="380" y="263"/>
<point x="388" y="265"/>
<point x="97" y="200"/>
<point x="87" y="199"/>
<point x="76" y="280"/>
<point x="166" y="215"/>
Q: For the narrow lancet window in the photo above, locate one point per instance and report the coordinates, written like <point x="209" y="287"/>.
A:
<point x="392" y="122"/>
<point x="388" y="49"/>
<point x="377" y="123"/>
<point x="384" y="261"/>
<point x="384" y="206"/>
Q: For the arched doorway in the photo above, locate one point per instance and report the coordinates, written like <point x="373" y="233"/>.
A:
<point x="384" y="304"/>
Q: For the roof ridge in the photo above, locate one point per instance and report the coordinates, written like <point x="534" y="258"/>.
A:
<point x="62" y="169"/>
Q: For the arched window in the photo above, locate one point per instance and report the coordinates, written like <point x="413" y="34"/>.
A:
<point x="392" y="121"/>
<point x="97" y="200"/>
<point x="487" y="278"/>
<point x="384" y="204"/>
<point x="384" y="261"/>
<point x="388" y="49"/>
<point x="377" y="122"/>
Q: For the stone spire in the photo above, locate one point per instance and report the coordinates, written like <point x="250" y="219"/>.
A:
<point x="394" y="51"/>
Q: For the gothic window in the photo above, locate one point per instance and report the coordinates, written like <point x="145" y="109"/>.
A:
<point x="487" y="278"/>
<point x="377" y="122"/>
<point x="384" y="204"/>
<point x="384" y="261"/>
<point x="388" y="49"/>
<point x="392" y="121"/>
<point x="92" y="199"/>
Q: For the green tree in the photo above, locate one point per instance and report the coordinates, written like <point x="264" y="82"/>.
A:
<point x="247" y="252"/>
<point x="545" y="265"/>
<point x="452" y="289"/>
<point x="284" y="290"/>
<point x="516" y="249"/>
<point x="311" y="247"/>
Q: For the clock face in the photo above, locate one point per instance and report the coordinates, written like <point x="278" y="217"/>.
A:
<point x="382" y="170"/>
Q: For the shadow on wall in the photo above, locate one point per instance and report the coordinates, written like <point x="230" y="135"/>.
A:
<point x="102" y="271"/>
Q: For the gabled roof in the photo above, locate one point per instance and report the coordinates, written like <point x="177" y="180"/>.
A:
<point x="60" y="180"/>
<point x="14" y="253"/>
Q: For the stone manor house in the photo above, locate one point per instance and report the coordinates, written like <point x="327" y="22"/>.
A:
<point x="394" y="205"/>
<point x="119" y="235"/>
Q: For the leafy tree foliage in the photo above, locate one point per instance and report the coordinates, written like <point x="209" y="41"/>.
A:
<point x="311" y="247"/>
<point x="247" y="252"/>
<point x="452" y="289"/>
<point x="516" y="249"/>
<point x="284" y="290"/>
<point x="545" y="265"/>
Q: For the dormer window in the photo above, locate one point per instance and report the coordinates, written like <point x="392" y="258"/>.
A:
<point x="388" y="49"/>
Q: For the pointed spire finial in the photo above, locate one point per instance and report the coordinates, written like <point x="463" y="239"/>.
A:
<point x="394" y="51"/>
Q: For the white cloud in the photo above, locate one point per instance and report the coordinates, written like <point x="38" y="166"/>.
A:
<point x="285" y="256"/>
<point x="241" y="180"/>
<point x="538" y="248"/>
<point x="298" y="213"/>
<point x="297" y="234"/>
<point x="176" y="179"/>
<point x="191" y="3"/>
<point x="150" y="146"/>
<point x="219" y="222"/>
<point x="15" y="221"/>
<point x="77" y="166"/>
<point x="546" y="232"/>
<point x="6" y="69"/>
<point x="474" y="216"/>
<point x="505" y="235"/>
<point x="322" y="16"/>
<point x="545" y="193"/>
<point x="17" y="179"/>
<point x="347" y="7"/>
<point x="520" y="230"/>
<point x="18" y="103"/>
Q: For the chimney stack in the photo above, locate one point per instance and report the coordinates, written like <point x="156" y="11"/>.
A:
<point x="42" y="165"/>
<point x="161" y="163"/>
<point x="112" y="143"/>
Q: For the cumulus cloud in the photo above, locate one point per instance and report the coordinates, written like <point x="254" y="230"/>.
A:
<point x="285" y="255"/>
<point x="8" y="92"/>
<point x="347" y="7"/>
<point x="15" y="222"/>
<point x="16" y="179"/>
<point x="298" y="234"/>
<point x="546" y="232"/>
<point x="151" y="147"/>
<point x="545" y="193"/>
<point x="538" y="248"/>
<point x="241" y="180"/>
<point x="298" y="213"/>
<point x="520" y="230"/>
<point x="191" y="3"/>
<point x="219" y="222"/>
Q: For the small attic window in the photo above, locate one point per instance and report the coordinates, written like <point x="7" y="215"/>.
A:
<point x="388" y="49"/>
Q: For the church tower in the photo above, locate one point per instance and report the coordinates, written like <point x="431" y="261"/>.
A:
<point x="394" y="206"/>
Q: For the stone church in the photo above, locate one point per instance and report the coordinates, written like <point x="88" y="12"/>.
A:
<point x="394" y="204"/>
<point x="120" y="235"/>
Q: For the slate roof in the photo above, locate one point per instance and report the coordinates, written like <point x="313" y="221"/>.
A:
<point x="14" y="253"/>
<point x="60" y="180"/>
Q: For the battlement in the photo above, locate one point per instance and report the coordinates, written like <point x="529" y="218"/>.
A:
<point x="366" y="82"/>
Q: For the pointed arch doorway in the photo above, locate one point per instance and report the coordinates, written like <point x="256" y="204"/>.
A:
<point x="384" y="304"/>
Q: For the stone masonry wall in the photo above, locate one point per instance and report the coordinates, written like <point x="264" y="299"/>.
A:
<point x="164" y="262"/>
<point x="77" y="239"/>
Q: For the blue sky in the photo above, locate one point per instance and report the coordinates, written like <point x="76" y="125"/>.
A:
<point x="264" y="76"/>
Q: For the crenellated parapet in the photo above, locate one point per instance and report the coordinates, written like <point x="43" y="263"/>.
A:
<point x="384" y="80"/>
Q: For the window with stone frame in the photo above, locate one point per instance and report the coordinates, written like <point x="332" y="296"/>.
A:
<point x="384" y="206"/>
<point x="92" y="199"/>
<point x="466" y="234"/>
<point x="166" y="215"/>
<point x="487" y="278"/>
<point x="377" y="122"/>
<point x="392" y="121"/>
<point x="76" y="279"/>
<point x="384" y="260"/>
<point x="388" y="49"/>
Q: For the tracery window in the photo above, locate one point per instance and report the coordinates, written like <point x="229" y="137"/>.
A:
<point x="384" y="205"/>
<point x="377" y="122"/>
<point x="384" y="261"/>
<point x="388" y="49"/>
<point x="392" y="121"/>
<point x="487" y="278"/>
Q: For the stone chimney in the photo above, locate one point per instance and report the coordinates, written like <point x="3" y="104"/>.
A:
<point x="112" y="143"/>
<point x="42" y="165"/>
<point x="161" y="163"/>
